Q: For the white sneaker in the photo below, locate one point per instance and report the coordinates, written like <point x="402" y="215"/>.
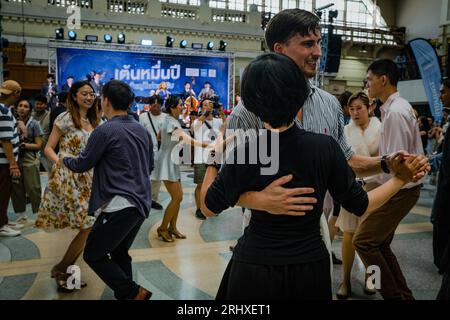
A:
<point x="6" y="231"/>
<point x="22" y="218"/>
<point x="15" y="225"/>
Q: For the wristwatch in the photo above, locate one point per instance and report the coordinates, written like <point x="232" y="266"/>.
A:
<point x="384" y="165"/>
<point x="215" y="165"/>
<point x="211" y="162"/>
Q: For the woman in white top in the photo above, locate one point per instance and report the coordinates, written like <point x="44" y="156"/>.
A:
<point x="363" y="133"/>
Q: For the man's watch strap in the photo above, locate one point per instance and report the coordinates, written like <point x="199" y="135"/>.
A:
<point x="215" y="165"/>
<point x="384" y="165"/>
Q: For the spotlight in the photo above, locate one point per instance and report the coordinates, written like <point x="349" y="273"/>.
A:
<point x="223" y="45"/>
<point x="59" y="33"/>
<point x="183" y="44"/>
<point x="332" y="15"/>
<point x="108" y="38"/>
<point x="210" y="45"/>
<point x="169" y="42"/>
<point x="121" y="38"/>
<point x="72" y="35"/>
<point x="91" y="38"/>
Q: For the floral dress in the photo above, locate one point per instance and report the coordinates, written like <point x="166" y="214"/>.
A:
<point x="66" y="197"/>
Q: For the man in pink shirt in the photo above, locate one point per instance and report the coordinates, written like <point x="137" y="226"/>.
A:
<point x="399" y="131"/>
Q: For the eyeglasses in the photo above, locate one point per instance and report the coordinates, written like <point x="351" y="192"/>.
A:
<point x="90" y="94"/>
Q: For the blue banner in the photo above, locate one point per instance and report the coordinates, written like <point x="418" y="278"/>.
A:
<point x="145" y="71"/>
<point x="429" y="68"/>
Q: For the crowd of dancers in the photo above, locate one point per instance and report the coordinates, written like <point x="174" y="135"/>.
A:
<point x="106" y="164"/>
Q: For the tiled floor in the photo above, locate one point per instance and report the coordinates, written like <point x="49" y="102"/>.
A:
<point x="191" y="269"/>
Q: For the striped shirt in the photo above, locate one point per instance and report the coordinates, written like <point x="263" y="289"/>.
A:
<point x="8" y="132"/>
<point x="322" y="113"/>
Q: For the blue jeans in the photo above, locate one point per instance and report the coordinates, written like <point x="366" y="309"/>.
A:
<point x="435" y="162"/>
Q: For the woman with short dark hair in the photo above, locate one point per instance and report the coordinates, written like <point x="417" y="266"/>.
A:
<point x="284" y="256"/>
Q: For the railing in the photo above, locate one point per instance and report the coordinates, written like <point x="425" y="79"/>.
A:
<point x="85" y="4"/>
<point x="378" y="36"/>
<point x="179" y="11"/>
<point x="228" y="16"/>
<point x="19" y="1"/>
<point x="131" y="7"/>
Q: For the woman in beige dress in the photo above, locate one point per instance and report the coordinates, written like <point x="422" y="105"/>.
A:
<point x="363" y="133"/>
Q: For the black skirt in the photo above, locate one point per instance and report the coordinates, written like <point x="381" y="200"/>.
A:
<point x="246" y="281"/>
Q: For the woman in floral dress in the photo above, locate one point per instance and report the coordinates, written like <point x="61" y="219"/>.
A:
<point x="65" y="200"/>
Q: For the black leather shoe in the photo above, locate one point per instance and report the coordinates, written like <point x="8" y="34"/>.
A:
<point x="143" y="294"/>
<point x="336" y="260"/>
<point x="156" y="205"/>
<point x="199" y="214"/>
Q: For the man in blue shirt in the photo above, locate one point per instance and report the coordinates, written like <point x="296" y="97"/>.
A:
<point x="121" y="152"/>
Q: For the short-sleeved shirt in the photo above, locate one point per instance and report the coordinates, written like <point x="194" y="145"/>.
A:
<point x="158" y="121"/>
<point x="205" y="134"/>
<point x="315" y="161"/>
<point x="8" y="132"/>
<point x="33" y="130"/>
<point x="322" y="113"/>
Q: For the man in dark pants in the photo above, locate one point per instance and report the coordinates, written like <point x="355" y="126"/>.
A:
<point x="440" y="214"/>
<point x="121" y="152"/>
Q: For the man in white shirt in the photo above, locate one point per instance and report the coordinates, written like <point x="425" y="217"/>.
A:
<point x="153" y="121"/>
<point x="399" y="131"/>
<point x="206" y="128"/>
<point x="207" y="92"/>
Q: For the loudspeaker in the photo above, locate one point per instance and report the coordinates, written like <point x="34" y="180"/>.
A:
<point x="334" y="53"/>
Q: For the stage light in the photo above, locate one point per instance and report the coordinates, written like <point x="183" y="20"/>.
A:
<point x="223" y="45"/>
<point x="197" y="45"/>
<point x="169" y="42"/>
<point x="146" y="42"/>
<point x="183" y="44"/>
<point x="108" y="38"/>
<point x="72" y="35"/>
<point x="59" y="33"/>
<point x="333" y="14"/>
<point x="91" y="38"/>
<point x="210" y="45"/>
<point x="121" y="38"/>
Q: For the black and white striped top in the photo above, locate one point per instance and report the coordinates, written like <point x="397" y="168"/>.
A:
<point x="322" y="113"/>
<point x="8" y="132"/>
